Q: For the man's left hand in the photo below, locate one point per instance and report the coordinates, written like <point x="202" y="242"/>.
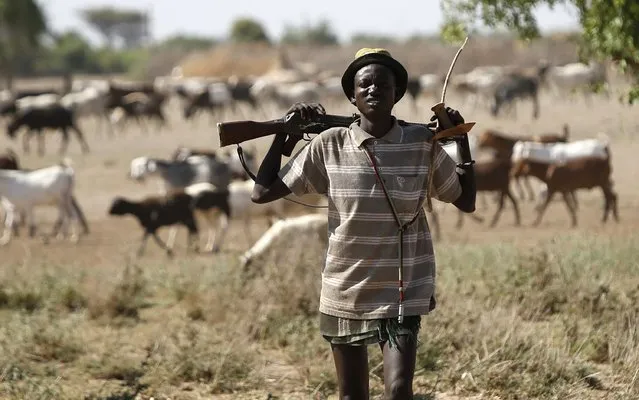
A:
<point x="454" y="115"/>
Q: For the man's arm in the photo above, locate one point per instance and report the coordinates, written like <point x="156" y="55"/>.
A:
<point x="268" y="185"/>
<point x="466" y="175"/>
<point x="466" y="201"/>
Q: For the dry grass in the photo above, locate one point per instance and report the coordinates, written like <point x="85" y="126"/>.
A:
<point x="551" y="320"/>
<point x="547" y="312"/>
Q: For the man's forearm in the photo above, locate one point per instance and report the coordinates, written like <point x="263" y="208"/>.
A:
<point x="466" y="201"/>
<point x="272" y="162"/>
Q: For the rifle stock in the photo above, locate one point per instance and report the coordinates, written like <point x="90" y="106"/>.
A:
<point x="236" y="132"/>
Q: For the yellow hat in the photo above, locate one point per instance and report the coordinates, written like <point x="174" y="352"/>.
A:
<point x="366" y="56"/>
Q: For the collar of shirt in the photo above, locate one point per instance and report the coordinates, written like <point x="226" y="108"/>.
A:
<point x="394" y="135"/>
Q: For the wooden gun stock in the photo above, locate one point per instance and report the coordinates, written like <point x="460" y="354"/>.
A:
<point x="292" y="124"/>
<point x="236" y="132"/>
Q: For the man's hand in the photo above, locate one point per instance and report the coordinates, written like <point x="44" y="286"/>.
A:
<point x="307" y="111"/>
<point x="454" y="115"/>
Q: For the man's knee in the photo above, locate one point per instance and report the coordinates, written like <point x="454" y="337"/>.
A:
<point x="399" y="388"/>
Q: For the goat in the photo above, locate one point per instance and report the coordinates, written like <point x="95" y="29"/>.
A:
<point x="242" y="207"/>
<point x="519" y="84"/>
<point x="285" y="232"/>
<point x="427" y="84"/>
<point x="199" y="102"/>
<point x="179" y="174"/>
<point x="516" y="87"/>
<point x="232" y="158"/>
<point x="212" y="205"/>
<point x="494" y="176"/>
<point x="56" y="117"/>
<point x="503" y="146"/>
<point x="584" y="173"/>
<point x="118" y="91"/>
<point x="155" y="212"/>
<point x="211" y="97"/>
<point x="573" y="76"/>
<point x="240" y="90"/>
<point x="9" y="160"/>
<point x="286" y="94"/>
<point x="19" y="94"/>
<point x="453" y="151"/>
<point x="89" y="102"/>
<point x="237" y="197"/>
<point x="136" y="105"/>
<point x="26" y="189"/>
<point x="559" y="153"/>
<point x="480" y="83"/>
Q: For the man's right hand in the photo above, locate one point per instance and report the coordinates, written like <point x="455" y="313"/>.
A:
<point x="307" y="111"/>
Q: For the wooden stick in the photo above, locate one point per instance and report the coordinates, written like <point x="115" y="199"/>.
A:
<point x="450" y="70"/>
<point x="444" y="123"/>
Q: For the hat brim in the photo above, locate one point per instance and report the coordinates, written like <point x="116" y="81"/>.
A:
<point x="401" y="75"/>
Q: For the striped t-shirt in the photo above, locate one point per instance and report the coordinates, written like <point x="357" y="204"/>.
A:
<point x="360" y="277"/>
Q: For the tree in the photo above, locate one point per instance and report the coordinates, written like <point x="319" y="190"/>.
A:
<point x="610" y="30"/>
<point x="372" y="39"/>
<point x="22" y="26"/>
<point x="187" y="43"/>
<point x="71" y="52"/>
<point x="248" y="30"/>
<point x="319" y="34"/>
<point x="130" y="26"/>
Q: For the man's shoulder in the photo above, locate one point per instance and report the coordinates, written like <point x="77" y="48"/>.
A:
<point x="335" y="134"/>
<point x="416" y="132"/>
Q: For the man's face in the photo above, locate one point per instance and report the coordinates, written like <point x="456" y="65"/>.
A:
<point x="374" y="94"/>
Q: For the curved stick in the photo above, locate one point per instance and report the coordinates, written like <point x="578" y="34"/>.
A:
<point x="450" y="70"/>
<point x="445" y="123"/>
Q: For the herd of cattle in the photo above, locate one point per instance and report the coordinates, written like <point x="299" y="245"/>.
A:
<point x="212" y="186"/>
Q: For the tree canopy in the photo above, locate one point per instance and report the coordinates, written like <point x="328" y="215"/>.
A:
<point x="129" y="25"/>
<point x="610" y="28"/>
<point x="319" y="34"/>
<point x="248" y="30"/>
<point x="22" y="25"/>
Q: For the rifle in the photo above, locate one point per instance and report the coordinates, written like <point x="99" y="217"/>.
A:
<point x="236" y="132"/>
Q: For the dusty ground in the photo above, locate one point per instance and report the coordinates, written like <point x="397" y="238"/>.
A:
<point x="102" y="174"/>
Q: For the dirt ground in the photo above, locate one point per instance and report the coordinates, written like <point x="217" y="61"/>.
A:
<point x="102" y="175"/>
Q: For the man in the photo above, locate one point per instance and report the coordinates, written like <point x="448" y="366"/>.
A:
<point x="375" y="174"/>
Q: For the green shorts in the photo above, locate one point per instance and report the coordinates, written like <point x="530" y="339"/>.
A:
<point x="356" y="332"/>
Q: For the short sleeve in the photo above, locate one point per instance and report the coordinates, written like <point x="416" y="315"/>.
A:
<point x="445" y="179"/>
<point x="305" y="172"/>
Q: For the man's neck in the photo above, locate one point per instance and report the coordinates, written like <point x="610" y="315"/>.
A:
<point x="377" y="128"/>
